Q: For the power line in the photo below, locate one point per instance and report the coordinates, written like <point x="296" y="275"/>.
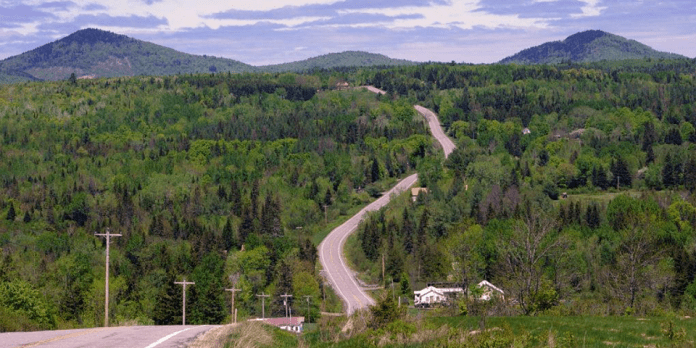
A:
<point x="285" y="302"/>
<point x="184" y="283"/>
<point x="263" y="304"/>
<point x="234" y="311"/>
<point x="108" y="236"/>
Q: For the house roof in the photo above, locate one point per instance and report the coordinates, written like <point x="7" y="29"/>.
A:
<point x="430" y="289"/>
<point x="417" y="190"/>
<point x="485" y="283"/>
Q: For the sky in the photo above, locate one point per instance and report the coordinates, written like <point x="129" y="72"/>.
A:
<point x="265" y="32"/>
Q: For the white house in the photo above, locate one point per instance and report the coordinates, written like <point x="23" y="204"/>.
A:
<point x="490" y="291"/>
<point x="431" y="296"/>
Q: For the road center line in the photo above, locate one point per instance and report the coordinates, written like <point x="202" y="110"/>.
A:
<point x="58" y="338"/>
<point x="161" y="340"/>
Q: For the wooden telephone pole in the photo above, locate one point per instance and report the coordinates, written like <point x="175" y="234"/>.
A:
<point x="234" y="312"/>
<point x="285" y="302"/>
<point x="108" y="236"/>
<point x="307" y="297"/>
<point x="184" y="283"/>
<point x="263" y="304"/>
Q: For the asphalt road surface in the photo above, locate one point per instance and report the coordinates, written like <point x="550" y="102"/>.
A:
<point x="331" y="257"/>
<point x="126" y="337"/>
<point x="436" y="129"/>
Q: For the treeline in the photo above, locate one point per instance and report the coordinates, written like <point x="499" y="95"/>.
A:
<point x="221" y="179"/>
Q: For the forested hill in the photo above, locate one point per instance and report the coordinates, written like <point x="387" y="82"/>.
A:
<point x="335" y="60"/>
<point x="98" y="53"/>
<point x="94" y="53"/>
<point x="587" y="46"/>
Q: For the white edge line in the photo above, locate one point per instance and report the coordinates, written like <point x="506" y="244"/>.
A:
<point x="161" y="340"/>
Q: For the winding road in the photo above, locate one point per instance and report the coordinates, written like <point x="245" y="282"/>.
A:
<point x="337" y="272"/>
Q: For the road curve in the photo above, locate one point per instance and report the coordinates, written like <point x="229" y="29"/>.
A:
<point x="125" y="336"/>
<point x="331" y="257"/>
<point x="436" y="129"/>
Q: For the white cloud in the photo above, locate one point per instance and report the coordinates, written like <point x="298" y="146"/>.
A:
<point x="591" y="9"/>
<point x="458" y="13"/>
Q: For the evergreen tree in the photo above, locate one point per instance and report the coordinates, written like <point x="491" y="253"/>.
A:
<point x="235" y="197"/>
<point x="167" y="310"/>
<point x="207" y="300"/>
<point x="649" y="136"/>
<point x="622" y="176"/>
<point x="11" y="214"/>
<point x="407" y="231"/>
<point x="229" y="240"/>
<point x="673" y="137"/>
<point x="668" y="173"/>
<point x="375" y="172"/>
<point x="690" y="174"/>
<point x="649" y="155"/>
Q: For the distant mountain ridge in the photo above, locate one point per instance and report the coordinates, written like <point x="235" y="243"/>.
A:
<point x="587" y="46"/>
<point x="335" y="60"/>
<point x="99" y="53"/>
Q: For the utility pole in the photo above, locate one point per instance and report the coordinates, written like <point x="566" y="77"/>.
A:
<point x="184" y="283"/>
<point x="108" y="236"/>
<point x="234" y="311"/>
<point x="285" y="302"/>
<point x="326" y="215"/>
<point x="307" y="297"/>
<point x="263" y="304"/>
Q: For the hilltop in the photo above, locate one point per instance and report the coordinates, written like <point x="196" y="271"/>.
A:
<point x="587" y="46"/>
<point x="335" y="60"/>
<point x="99" y="53"/>
<point x="92" y="53"/>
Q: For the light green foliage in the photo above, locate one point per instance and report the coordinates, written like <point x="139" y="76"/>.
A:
<point x="20" y="297"/>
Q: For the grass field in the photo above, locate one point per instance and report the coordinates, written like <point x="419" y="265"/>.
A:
<point x="522" y="332"/>
<point x="589" y="331"/>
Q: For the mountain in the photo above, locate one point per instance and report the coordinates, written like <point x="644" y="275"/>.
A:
<point x="587" y="46"/>
<point x="98" y="53"/>
<point x="335" y="60"/>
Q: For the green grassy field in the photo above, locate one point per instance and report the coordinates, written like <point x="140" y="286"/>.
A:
<point x="531" y="332"/>
<point x="589" y="331"/>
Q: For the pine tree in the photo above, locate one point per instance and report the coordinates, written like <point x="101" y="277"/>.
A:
<point x="690" y="174"/>
<point x="167" y="310"/>
<point x="228" y="238"/>
<point x="668" y="177"/>
<point x="375" y="172"/>
<point x="407" y="231"/>
<point x="622" y="176"/>
<point x="235" y="197"/>
<point x="11" y="214"/>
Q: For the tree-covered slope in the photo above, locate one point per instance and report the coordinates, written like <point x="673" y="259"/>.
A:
<point x="98" y="53"/>
<point x="336" y="60"/>
<point x="587" y="46"/>
<point x="94" y="53"/>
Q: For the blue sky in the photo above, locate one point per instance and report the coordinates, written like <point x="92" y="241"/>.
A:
<point x="276" y="31"/>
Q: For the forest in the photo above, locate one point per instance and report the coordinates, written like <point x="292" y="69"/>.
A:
<point x="571" y="188"/>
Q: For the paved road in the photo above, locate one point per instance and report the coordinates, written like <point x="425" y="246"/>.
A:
<point x="436" y="129"/>
<point x="127" y="337"/>
<point x="331" y="257"/>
